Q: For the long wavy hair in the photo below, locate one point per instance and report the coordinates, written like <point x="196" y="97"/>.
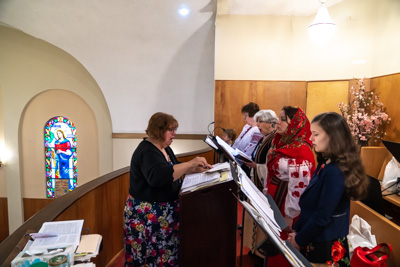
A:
<point x="343" y="151"/>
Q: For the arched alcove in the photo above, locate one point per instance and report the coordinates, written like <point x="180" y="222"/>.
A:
<point x="37" y="112"/>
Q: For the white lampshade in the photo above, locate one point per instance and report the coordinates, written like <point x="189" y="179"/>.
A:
<point x="322" y="28"/>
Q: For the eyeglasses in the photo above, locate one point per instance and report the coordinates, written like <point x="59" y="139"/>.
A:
<point x="172" y="130"/>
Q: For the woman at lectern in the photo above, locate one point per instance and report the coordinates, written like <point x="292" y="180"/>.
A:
<point x="151" y="214"/>
<point x="322" y="228"/>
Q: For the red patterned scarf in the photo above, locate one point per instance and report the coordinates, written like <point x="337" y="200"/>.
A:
<point x="294" y="143"/>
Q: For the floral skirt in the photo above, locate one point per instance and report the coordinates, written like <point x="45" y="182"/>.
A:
<point x="151" y="233"/>
<point x="332" y="253"/>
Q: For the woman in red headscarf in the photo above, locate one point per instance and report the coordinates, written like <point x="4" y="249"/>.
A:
<point x="290" y="166"/>
<point x="290" y="162"/>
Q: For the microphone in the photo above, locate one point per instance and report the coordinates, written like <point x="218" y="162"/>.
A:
<point x="209" y="127"/>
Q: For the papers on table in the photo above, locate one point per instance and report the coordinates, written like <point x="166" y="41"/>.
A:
<point x="88" y="247"/>
<point x="61" y="234"/>
<point x="195" y="181"/>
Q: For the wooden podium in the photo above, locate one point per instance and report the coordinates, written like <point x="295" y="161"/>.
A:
<point x="208" y="224"/>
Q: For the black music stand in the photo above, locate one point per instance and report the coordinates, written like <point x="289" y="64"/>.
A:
<point x="293" y="256"/>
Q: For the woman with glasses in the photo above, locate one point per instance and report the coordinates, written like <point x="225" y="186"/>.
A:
<point x="151" y="215"/>
<point x="266" y="122"/>
<point x="250" y="135"/>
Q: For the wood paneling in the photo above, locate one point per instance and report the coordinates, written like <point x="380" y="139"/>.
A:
<point x="325" y="96"/>
<point x="388" y="88"/>
<point x="99" y="202"/>
<point x="141" y="136"/>
<point x="230" y="96"/>
<point x="33" y="205"/>
<point x="3" y="219"/>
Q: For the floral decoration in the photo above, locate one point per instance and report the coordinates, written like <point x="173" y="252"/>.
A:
<point x="365" y="115"/>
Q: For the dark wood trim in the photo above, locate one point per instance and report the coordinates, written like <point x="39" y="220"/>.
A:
<point x="141" y="136"/>
<point x="99" y="202"/>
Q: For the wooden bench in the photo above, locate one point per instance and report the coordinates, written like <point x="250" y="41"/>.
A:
<point x="384" y="230"/>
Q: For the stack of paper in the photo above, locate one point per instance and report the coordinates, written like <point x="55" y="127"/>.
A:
<point x="89" y="247"/>
<point x="195" y="181"/>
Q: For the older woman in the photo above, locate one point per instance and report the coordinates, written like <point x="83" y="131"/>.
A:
<point x="151" y="215"/>
<point x="266" y="122"/>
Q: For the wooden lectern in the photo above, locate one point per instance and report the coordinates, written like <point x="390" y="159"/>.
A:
<point x="208" y="224"/>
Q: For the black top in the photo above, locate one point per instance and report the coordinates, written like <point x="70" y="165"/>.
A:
<point x="151" y="177"/>
<point x="259" y="155"/>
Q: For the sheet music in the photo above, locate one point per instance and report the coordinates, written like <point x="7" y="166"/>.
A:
<point x="210" y="142"/>
<point x="196" y="180"/>
<point x="235" y="153"/>
<point x="259" y="202"/>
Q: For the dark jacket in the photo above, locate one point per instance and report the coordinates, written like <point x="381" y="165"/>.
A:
<point x="325" y="207"/>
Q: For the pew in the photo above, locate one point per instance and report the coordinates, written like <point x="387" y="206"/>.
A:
<point x="384" y="230"/>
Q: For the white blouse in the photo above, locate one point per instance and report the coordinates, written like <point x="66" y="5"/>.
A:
<point x="298" y="176"/>
<point x="248" y="139"/>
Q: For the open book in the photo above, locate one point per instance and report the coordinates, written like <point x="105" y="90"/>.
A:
<point x="235" y="153"/>
<point x="60" y="234"/>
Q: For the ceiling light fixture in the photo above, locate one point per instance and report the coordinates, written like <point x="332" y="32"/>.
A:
<point x="183" y="11"/>
<point x="322" y="28"/>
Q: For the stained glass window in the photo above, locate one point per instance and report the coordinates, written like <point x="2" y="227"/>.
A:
<point x="60" y="154"/>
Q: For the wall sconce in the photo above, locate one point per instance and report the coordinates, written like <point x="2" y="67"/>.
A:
<point x="322" y="28"/>
<point x="3" y="155"/>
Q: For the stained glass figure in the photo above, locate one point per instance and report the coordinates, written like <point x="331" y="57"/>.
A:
<point x="60" y="156"/>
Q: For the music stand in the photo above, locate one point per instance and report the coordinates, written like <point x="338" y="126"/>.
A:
<point x="266" y="223"/>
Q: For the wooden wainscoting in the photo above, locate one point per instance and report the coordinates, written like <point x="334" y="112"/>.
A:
<point x="230" y="96"/>
<point x="99" y="202"/>
<point x="3" y="219"/>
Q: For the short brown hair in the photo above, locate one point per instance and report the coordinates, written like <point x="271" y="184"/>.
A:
<point x="251" y="108"/>
<point x="230" y="133"/>
<point x="159" y="123"/>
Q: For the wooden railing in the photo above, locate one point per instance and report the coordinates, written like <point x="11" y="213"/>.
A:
<point x="99" y="202"/>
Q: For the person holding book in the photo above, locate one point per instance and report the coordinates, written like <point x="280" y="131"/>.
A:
<point x="290" y="162"/>
<point x="323" y="225"/>
<point x="266" y="122"/>
<point x="290" y="165"/>
<point x="250" y="135"/>
<point x="151" y="214"/>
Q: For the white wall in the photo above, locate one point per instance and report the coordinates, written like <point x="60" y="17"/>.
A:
<point x="28" y="67"/>
<point x="123" y="149"/>
<point x="278" y="47"/>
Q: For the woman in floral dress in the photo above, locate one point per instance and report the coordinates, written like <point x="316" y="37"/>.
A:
<point x="321" y="230"/>
<point x="151" y="215"/>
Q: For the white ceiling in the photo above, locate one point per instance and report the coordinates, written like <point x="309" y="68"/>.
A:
<point x="272" y="7"/>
